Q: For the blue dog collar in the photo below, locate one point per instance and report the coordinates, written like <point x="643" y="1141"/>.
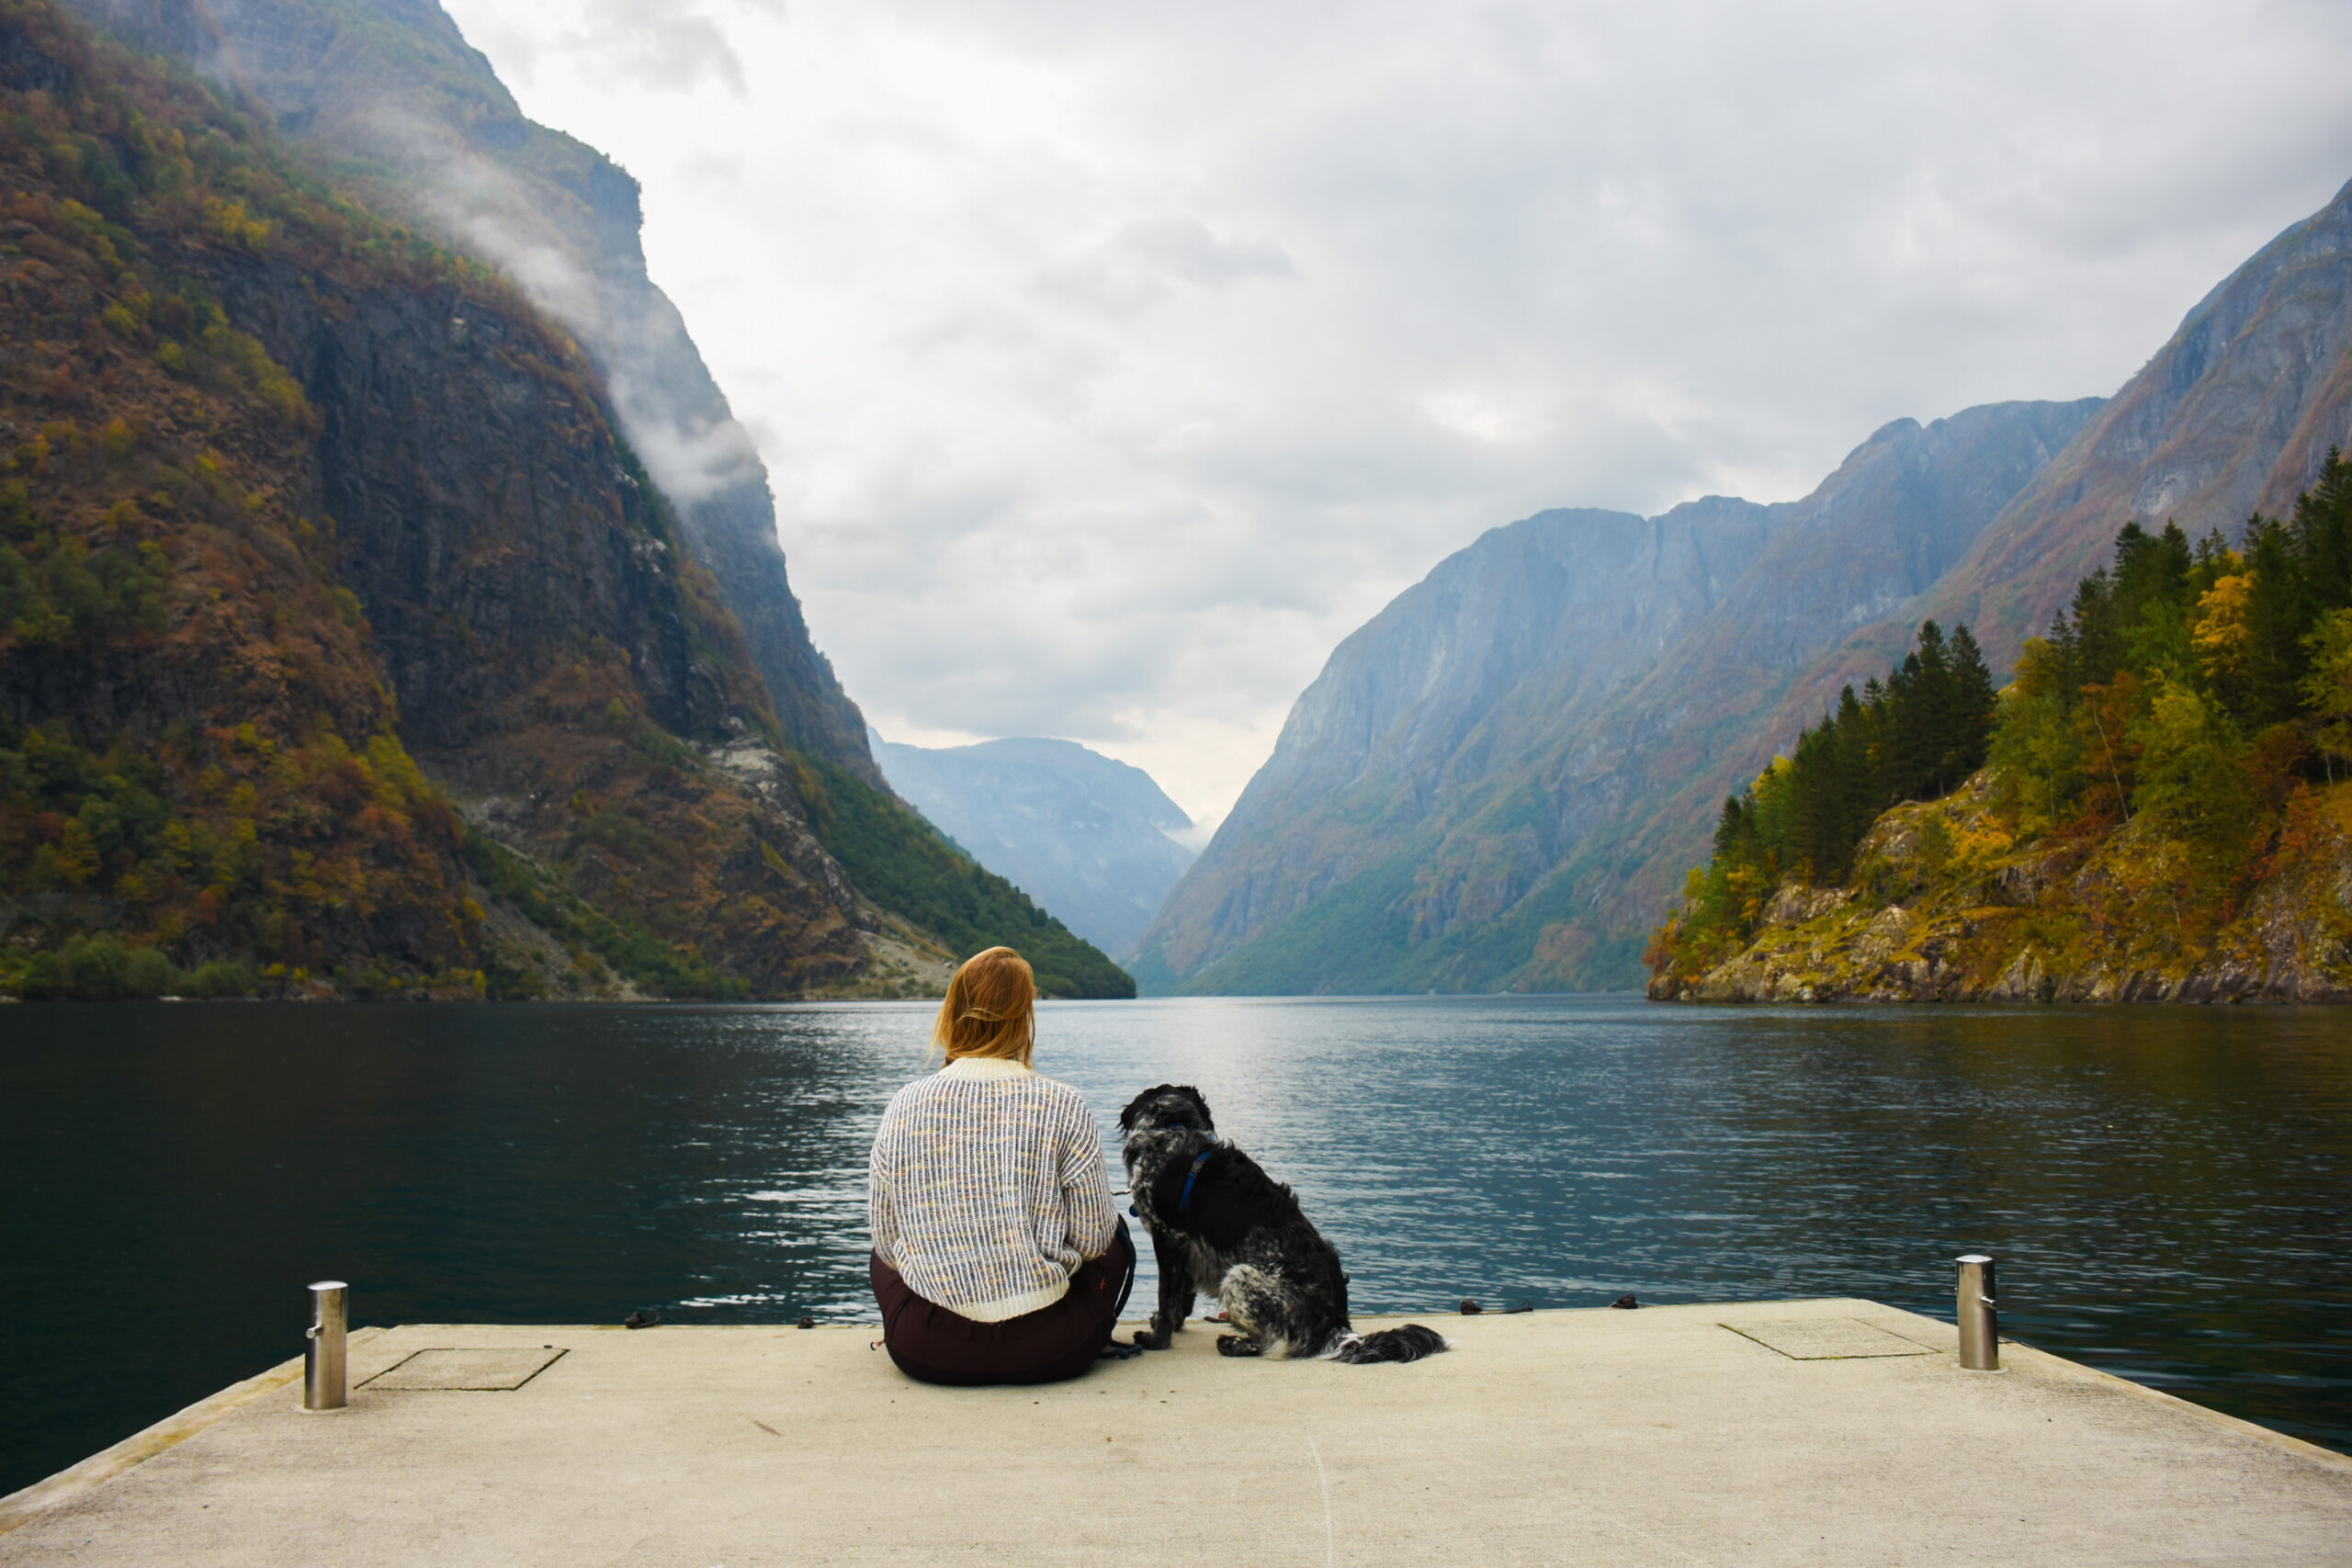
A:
<point x="1191" y="1176"/>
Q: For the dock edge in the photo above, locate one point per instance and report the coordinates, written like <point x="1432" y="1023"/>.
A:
<point x="23" y="1507"/>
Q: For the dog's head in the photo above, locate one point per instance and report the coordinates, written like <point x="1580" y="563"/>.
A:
<point x="1170" y="1107"/>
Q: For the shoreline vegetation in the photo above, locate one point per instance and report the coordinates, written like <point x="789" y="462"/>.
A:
<point x="2158" y="808"/>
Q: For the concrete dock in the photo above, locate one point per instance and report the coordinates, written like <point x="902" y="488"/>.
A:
<point x="1815" y="1432"/>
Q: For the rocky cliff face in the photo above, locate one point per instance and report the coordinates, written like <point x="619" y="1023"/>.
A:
<point x="297" y="504"/>
<point x="388" y="99"/>
<point x="1085" y="836"/>
<point x="1491" y="785"/>
<point x="1956" y="908"/>
<point x="559" y="659"/>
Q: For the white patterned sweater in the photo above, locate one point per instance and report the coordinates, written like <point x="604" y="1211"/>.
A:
<point x="987" y="1189"/>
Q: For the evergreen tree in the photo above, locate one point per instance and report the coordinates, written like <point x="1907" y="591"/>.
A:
<point x="1817" y="822"/>
<point x="1975" y="704"/>
<point x="2088" y="642"/>
<point x="2279" y="610"/>
<point x="2149" y="568"/>
<point x="2322" y="532"/>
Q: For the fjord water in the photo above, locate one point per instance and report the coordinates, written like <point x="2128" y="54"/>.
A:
<point x="2166" y="1189"/>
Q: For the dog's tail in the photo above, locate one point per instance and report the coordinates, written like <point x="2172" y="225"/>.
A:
<point x="1410" y="1343"/>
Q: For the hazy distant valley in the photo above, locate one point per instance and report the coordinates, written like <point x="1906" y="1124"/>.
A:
<point x="1087" y="837"/>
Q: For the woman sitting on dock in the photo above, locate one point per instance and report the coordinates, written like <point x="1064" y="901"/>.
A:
<point x="998" y="1257"/>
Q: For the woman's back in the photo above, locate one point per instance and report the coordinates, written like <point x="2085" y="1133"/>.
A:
<point x="997" y="1255"/>
<point x="987" y="1189"/>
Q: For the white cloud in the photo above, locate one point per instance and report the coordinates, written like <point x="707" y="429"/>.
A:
<point x="1113" y="362"/>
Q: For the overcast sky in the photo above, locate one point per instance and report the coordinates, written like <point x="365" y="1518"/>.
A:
<point x="1112" y="361"/>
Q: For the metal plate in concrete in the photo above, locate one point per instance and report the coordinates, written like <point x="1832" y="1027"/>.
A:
<point x="469" y="1371"/>
<point x="1827" y="1338"/>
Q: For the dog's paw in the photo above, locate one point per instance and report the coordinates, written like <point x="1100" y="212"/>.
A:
<point x="1234" y="1345"/>
<point x="1150" y="1340"/>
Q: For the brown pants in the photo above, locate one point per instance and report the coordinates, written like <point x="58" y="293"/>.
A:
<point x="932" y="1343"/>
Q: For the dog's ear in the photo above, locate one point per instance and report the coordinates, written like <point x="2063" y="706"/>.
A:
<point x="1134" y="1108"/>
<point x="1208" y="1121"/>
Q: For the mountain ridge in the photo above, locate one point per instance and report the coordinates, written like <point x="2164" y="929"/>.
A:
<point x="2233" y="414"/>
<point x="1591" y="820"/>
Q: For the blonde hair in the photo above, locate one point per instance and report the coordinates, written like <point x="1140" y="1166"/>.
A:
<point x="991" y="1009"/>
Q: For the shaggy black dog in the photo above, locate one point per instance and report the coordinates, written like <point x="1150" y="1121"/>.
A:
<point x="1221" y="1226"/>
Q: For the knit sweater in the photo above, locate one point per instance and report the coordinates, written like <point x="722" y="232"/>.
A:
<point x="987" y="1189"/>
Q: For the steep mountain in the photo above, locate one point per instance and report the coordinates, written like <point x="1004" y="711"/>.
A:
<point x="317" y="535"/>
<point x="2236" y="414"/>
<point x="1084" y="835"/>
<point x="1490" y="785"/>
<point x="1540" y="852"/>
<point x="387" y="99"/>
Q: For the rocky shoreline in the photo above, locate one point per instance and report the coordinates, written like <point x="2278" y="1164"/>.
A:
<point x="1949" y="905"/>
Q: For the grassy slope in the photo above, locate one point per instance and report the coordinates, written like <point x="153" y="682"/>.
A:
<point x="1358" y="941"/>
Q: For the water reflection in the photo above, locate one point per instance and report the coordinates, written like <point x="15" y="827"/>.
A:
<point x="2167" y="1190"/>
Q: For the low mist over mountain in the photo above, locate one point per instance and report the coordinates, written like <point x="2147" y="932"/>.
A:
<point x="389" y="99"/>
<point x="1082" y="834"/>
<point x="1500" y="780"/>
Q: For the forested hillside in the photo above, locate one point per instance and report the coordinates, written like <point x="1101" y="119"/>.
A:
<point x="2163" y="811"/>
<point x="1912" y="736"/>
<point x="315" y="533"/>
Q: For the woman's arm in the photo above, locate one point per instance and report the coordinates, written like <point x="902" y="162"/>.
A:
<point x="881" y="1217"/>
<point x="1086" y="1189"/>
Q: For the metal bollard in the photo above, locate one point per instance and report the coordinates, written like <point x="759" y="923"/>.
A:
<point x="323" y="1370"/>
<point x="1980" y="1316"/>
